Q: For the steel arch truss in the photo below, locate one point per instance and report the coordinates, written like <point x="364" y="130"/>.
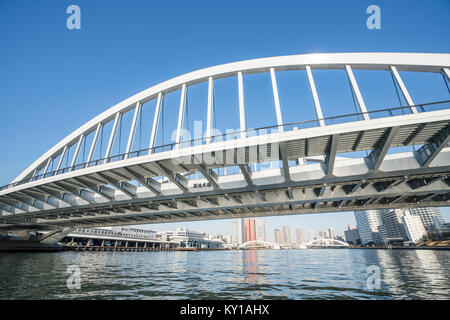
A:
<point x="249" y="244"/>
<point x="326" y="242"/>
<point x="156" y="185"/>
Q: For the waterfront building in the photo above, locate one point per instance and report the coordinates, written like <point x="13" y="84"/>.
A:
<point x="191" y="238"/>
<point x="392" y="224"/>
<point x="427" y="214"/>
<point x="310" y="235"/>
<point x="352" y="235"/>
<point x="299" y="235"/>
<point x="186" y="233"/>
<point x="414" y="227"/>
<point x="368" y="223"/>
<point x="445" y="227"/>
<point x="332" y="233"/>
<point x="277" y="236"/>
<point x="237" y="232"/>
<point x="260" y="229"/>
<point x="322" y="234"/>
<point x="134" y="233"/>
<point x="286" y="235"/>
<point x="162" y="236"/>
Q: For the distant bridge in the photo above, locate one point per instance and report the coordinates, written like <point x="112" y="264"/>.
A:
<point x="179" y="182"/>
<point x="256" y="243"/>
<point x="325" y="242"/>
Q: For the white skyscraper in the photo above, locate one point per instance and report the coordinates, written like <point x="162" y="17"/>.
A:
<point x="427" y="215"/>
<point x="277" y="236"/>
<point x="237" y="231"/>
<point x="332" y="233"/>
<point x="286" y="235"/>
<point x="414" y="227"/>
<point x="393" y="224"/>
<point x="368" y="222"/>
<point x="310" y="235"/>
<point x="352" y="235"/>
<point x="260" y="229"/>
<point x="299" y="235"/>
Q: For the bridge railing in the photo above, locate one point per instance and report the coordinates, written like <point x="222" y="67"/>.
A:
<point x="235" y="135"/>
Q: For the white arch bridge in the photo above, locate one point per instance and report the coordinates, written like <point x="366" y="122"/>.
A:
<point x="326" y="243"/>
<point x="256" y="243"/>
<point x="184" y="181"/>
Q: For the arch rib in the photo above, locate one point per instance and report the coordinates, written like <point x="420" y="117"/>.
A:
<point x="422" y="62"/>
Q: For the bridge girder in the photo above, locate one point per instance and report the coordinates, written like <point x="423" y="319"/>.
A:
<point x="146" y="185"/>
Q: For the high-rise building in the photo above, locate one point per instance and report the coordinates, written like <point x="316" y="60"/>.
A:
<point x="286" y="235"/>
<point x="392" y="224"/>
<point x="414" y="227"/>
<point x="438" y="223"/>
<point x="322" y="234"/>
<point x="237" y="231"/>
<point x="260" y="229"/>
<point x="368" y="222"/>
<point x="352" y="235"/>
<point x="332" y="233"/>
<point x="299" y="235"/>
<point x="310" y="235"/>
<point x="427" y="214"/>
<point x="250" y="230"/>
<point x="277" y="236"/>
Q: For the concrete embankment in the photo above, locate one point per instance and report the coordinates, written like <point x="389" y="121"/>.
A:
<point x="405" y="248"/>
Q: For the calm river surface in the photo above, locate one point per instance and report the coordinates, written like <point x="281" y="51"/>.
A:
<point x="251" y="274"/>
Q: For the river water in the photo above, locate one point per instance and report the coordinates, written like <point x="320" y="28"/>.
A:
<point x="248" y="274"/>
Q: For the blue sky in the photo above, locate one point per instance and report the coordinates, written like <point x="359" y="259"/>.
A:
<point x="53" y="80"/>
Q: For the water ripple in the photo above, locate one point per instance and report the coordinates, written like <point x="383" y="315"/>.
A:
<point x="260" y="274"/>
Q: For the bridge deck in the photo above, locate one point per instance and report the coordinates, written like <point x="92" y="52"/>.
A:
<point x="130" y="192"/>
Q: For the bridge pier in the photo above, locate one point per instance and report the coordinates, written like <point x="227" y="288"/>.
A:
<point x="33" y="241"/>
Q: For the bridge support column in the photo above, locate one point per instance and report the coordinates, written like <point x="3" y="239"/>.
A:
<point x="30" y="241"/>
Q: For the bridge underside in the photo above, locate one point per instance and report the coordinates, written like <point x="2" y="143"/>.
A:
<point x="314" y="176"/>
